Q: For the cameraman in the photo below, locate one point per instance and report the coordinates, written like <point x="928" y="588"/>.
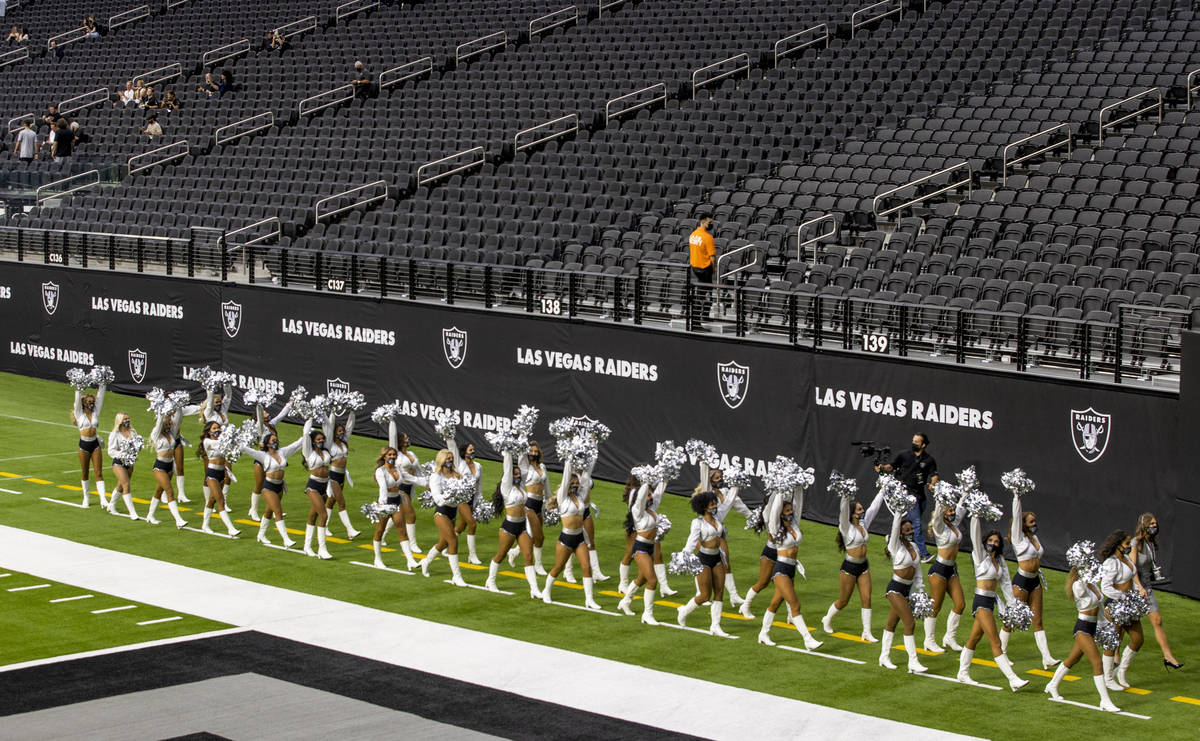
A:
<point x="917" y="470"/>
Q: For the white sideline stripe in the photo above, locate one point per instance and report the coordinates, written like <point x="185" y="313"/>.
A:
<point x="161" y="620"/>
<point x="39" y="421"/>
<point x="4" y="575"/>
<point x="682" y="704"/>
<point x="114" y="609"/>
<point x="846" y="659"/>
<point x="480" y="588"/>
<point x="1097" y="707"/>
<point x="120" y="649"/>
<point x="384" y="568"/>
<point x="9" y="491"/>
<point x="39" y="455"/>
<point x="972" y="683"/>
<point x="701" y="631"/>
<point x="72" y="599"/>
<point x="59" y="501"/>
<point x="23" y="589"/>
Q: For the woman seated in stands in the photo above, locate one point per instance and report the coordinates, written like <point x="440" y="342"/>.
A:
<point x="14" y="36"/>
<point x="89" y="25"/>
<point x="126" y="96"/>
<point x="224" y="83"/>
<point x="171" y="103"/>
<point x="139" y="92"/>
<point x="209" y="87"/>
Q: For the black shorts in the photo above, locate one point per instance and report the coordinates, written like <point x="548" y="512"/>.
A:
<point x="898" y="587"/>
<point x="167" y="467"/>
<point x="128" y="469"/>
<point x="855" y="569"/>
<point x="769" y="553"/>
<point x="1085" y="626"/>
<point x="571" y="540"/>
<point x="533" y="505"/>
<point x="216" y="474"/>
<point x="320" y="487"/>
<point x="1027" y="583"/>
<point x="275" y="486"/>
<point x="88" y="446"/>
<point x="943" y="570"/>
<point x="447" y="511"/>
<point x="983" y="602"/>
<point x="710" y="560"/>
<point x="395" y="501"/>
<point x="643" y="547"/>
<point x="338" y="476"/>
<point x="513" y="528"/>
<point x="784" y="569"/>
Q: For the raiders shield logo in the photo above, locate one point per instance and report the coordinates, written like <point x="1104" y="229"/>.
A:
<point x="734" y="382"/>
<point x="454" y="346"/>
<point x="336" y="384"/>
<point x="1089" y="432"/>
<point x="50" y="296"/>
<point x="231" y="317"/>
<point x="137" y="365"/>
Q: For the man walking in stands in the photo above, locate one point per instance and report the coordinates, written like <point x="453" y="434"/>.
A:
<point x="702" y="251"/>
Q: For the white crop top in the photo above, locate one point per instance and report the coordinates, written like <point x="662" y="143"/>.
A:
<point x="312" y="456"/>
<point x="211" y="413"/>
<point x="784" y="536"/>
<point x="947" y="534"/>
<point x="269" y="462"/>
<point x="533" y="473"/>
<point x="337" y="448"/>
<point x="163" y="442"/>
<point x="902" y="556"/>
<point x="1115" y="570"/>
<point x="643" y="507"/>
<point x="702" y="532"/>
<point x="987" y="567"/>
<point x="464" y="467"/>
<point x="514" y="495"/>
<point x="855" y="536"/>
<point x="210" y="445"/>
<point x="1087" y="597"/>
<point x="728" y="501"/>
<point x="1024" y="547"/>
<point x="84" y="419"/>
<point x="389" y="485"/>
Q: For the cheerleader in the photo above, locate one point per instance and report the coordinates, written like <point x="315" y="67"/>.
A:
<point x="1027" y="585"/>
<point x="1118" y="576"/>
<point x="391" y="478"/>
<point x="573" y="538"/>
<point x="1145" y="547"/>
<point x="589" y="526"/>
<point x="264" y="425"/>
<point x="216" y="409"/>
<point x="706" y="535"/>
<point x="727" y="501"/>
<point x="443" y="517"/>
<point x="906" y="567"/>
<point x="510" y="497"/>
<point x="174" y="426"/>
<point x="537" y="482"/>
<point x="338" y="439"/>
<point x="464" y="463"/>
<point x="658" y="567"/>
<point x="991" y="581"/>
<point x="782" y="517"/>
<point x="86" y="415"/>
<point x="164" y="465"/>
<point x="1087" y="604"/>
<point x="642" y="522"/>
<point x="122" y="467"/>
<point x="214" y="479"/>
<point x="854" y="524"/>
<point x="317" y="458"/>
<point x="945" y="528"/>
<point x="272" y="461"/>
<point x="410" y="467"/>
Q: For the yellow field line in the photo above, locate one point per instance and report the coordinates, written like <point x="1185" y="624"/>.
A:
<point x="42" y="481"/>
<point x="1188" y="700"/>
<point x="1044" y="673"/>
<point x="1137" y="691"/>
<point x="68" y="487"/>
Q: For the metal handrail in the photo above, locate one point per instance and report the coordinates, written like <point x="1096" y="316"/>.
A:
<point x="91" y="96"/>
<point x="354" y="7"/>
<point x="744" y="67"/>
<point x="128" y="16"/>
<point x="813" y="241"/>
<point x="1191" y="87"/>
<point x="14" y="56"/>
<point x="426" y="67"/>
<point x="1007" y="163"/>
<point x="950" y="186"/>
<point x="169" y="72"/>
<point x="603" y="6"/>
<point x="268" y="121"/>
<point x="348" y="94"/>
<point x="20" y="121"/>
<point x="221" y="53"/>
<point x="459" y="56"/>
<point x="572" y="117"/>
<point x="1155" y="92"/>
<point x="856" y="24"/>
<point x="608" y="114"/>
<point x="573" y="10"/>
<point x="728" y="255"/>
<point x="67" y="37"/>
<point x="474" y="163"/>
<point x="175" y="3"/>
<point x="93" y="177"/>
<point x="274" y="234"/>
<point x="825" y="37"/>
<point x="301" y="26"/>
<point x="317" y="206"/>
<point x="170" y="158"/>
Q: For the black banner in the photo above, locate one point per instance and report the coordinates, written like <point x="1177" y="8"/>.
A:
<point x="1100" y="455"/>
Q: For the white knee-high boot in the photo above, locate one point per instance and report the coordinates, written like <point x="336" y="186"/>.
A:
<point x="931" y="644"/>
<point x="569" y="570"/>
<point x="811" y="643"/>
<point x="648" y="607"/>
<point x="950" y="641"/>
<point x="205" y="527"/>
<point x="589" y="588"/>
<point x="87" y="491"/>
<point x="406" y="549"/>
<point x="1109" y="663"/>
<point x="597" y="574"/>
<point x="830" y="614"/>
<point x="225" y="496"/>
<point x="537" y="561"/>
<point x="429" y="557"/>
<point x="1126" y="660"/>
<point x="1059" y="673"/>
<point x="1106" y="702"/>
<point x="128" y="500"/>
<point x="150" y="514"/>
<point x="1048" y="661"/>
<point x="455" y="572"/>
<point x="885" y="650"/>
<point x="322" y="552"/>
<point x="472" y="557"/>
<point x="378" y="548"/>
<point x="309" y="530"/>
<point x="351" y="533"/>
<point x="546" y="590"/>
<point x="764" y="634"/>
<point x="253" y="511"/>
<point x="735" y="599"/>
<point x="410" y="528"/>
<point x="174" y="509"/>
<point x="1006" y="667"/>
<point x="224" y="515"/>
<point x="745" y="608"/>
<point x="714" y="614"/>
<point x="1005" y="634"/>
<point x="531" y="579"/>
<point x="490" y="584"/>
<point x="181" y="488"/>
<point x="964" y="665"/>
<point x="626" y="603"/>
<point x="687" y="608"/>
<point x="866" y="625"/>
<point x="623" y="573"/>
<point x="263" y="524"/>
<point x="103" y="497"/>
<point x="914" y="662"/>
<point x="660" y="572"/>
<point x="283" y="533"/>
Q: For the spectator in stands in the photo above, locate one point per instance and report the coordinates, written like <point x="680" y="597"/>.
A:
<point x="89" y="25"/>
<point x="139" y="92"/>
<point x="363" y="88"/>
<point x="64" y="141"/>
<point x="224" y="83"/>
<point x="209" y="86"/>
<point x="50" y="117"/>
<point x="14" y="36"/>
<point x="54" y="48"/>
<point x="127" y="96"/>
<point x="25" y="147"/>
<point x="275" y="42"/>
<point x="152" y="127"/>
<point x="702" y="251"/>
<point x="171" y="103"/>
<point x="150" y="100"/>
<point x="80" y="136"/>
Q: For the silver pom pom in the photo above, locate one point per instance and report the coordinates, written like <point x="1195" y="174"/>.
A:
<point x="375" y="511"/>
<point x="160" y="403"/>
<point x="507" y="441"/>
<point x="483" y="510"/>
<point x="598" y="431"/>
<point x="563" y="427"/>
<point x="200" y="375"/>
<point x="340" y="402"/>
<point x="669" y="459"/>
<point x="685" y="563"/>
<point x="458" y="489"/>
<point x="968" y="480"/>
<point x="946" y="494"/>
<point x="646" y="474"/>
<point x="298" y="393"/>
<point x="579" y="448"/>
<point x="1107" y="637"/>
<point x="735" y="478"/>
<point x="550" y="516"/>
<point x="895" y="494"/>
<point x="445" y="425"/>
<point x="233" y="438"/>
<point x="978" y="505"/>
<point x="843" y="486"/>
<point x="426" y="500"/>
<point x="755" y="520"/>
<point x="79" y="378"/>
<point x="258" y="398"/>
<point x="128" y="448"/>
<point x="785" y="474"/>
<point x="1017" y="616"/>
<point x="1017" y="483"/>
<point x="102" y="375"/>
<point x="1129" y="609"/>
<point x="662" y="527"/>
<point x="386" y="413"/>
<point x="921" y="605"/>
<point x="1082" y="555"/>
<point x="702" y="452"/>
<point x="524" y="421"/>
<point x="214" y="380"/>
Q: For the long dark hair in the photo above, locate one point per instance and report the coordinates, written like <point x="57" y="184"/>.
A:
<point x="204" y="436"/>
<point x="988" y="536"/>
<point x="837" y="536"/>
<point x="702" y="501"/>
<point x="1112" y="543"/>
<point x="1142" y="532"/>
<point x="536" y="459"/>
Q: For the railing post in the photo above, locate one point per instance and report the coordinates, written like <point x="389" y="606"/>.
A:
<point x="191" y="254"/>
<point x="618" y="296"/>
<point x="528" y="291"/>
<point x="1022" y="343"/>
<point x="1118" y="345"/>
<point x="250" y="259"/>
<point x="637" y="296"/>
<point x="45" y="247"/>
<point x="487" y="286"/>
<point x="382" y="277"/>
<point x="66" y="252"/>
<point x="689" y="291"/>
<point x="960" y="331"/>
<point x="112" y="252"/>
<point x="571" y="286"/>
<point x="20" y="246"/>
<point x="167" y="262"/>
<point x="739" y="310"/>
<point x="847" y="316"/>
<point x="353" y="272"/>
<point x="141" y="255"/>
<point x="1085" y="350"/>
<point x="903" y="330"/>
<point x="412" y="280"/>
<point x="318" y="271"/>
<point x="818" y="320"/>
<point x="283" y="268"/>
<point x="450" y="284"/>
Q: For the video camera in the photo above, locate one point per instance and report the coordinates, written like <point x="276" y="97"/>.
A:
<point x="870" y="449"/>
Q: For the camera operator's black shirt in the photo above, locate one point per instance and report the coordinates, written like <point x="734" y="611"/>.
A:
<point x="915" y="471"/>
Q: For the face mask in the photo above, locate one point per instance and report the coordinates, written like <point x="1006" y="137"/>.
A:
<point x="1152" y="530"/>
<point x="916" y="448"/>
<point x="274" y="446"/>
<point x="908" y="537"/>
<point x="391" y="461"/>
<point x="125" y="423"/>
<point x="993" y="548"/>
<point x="1032" y="529"/>
<point x="1125" y="551"/>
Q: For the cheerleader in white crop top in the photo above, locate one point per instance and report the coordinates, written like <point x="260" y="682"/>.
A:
<point x="337" y="437"/>
<point x="391" y="477"/>
<point x="1118" y="575"/>
<point x="265" y="426"/>
<point x="215" y="476"/>
<point x="163" y="443"/>
<point x="122" y="467"/>
<point x="586" y="482"/>
<point x="317" y="459"/>
<point x="727" y="501"/>
<point x="465" y="464"/>
<point x="782" y="518"/>
<point x="571" y="504"/>
<point x="1027" y="584"/>
<point x="991" y="583"/>
<point x="906" y="570"/>
<point x="705" y="535"/>
<point x="642" y="526"/>
<point x="175" y="426"/>
<point x="537" y="486"/>
<point x="216" y="406"/>
<point x="85" y="414"/>
<point x="272" y="460"/>
<point x="408" y="462"/>
<point x="945" y="527"/>
<point x="509" y="498"/>
<point x="444" y="516"/>
<point x="627" y="561"/>
<point x="854" y="523"/>
<point x="1088" y="600"/>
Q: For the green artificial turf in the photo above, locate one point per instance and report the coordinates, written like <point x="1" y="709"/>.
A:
<point x="47" y="452"/>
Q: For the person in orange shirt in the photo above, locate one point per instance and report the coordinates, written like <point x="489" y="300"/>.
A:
<point x="703" y="252"/>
